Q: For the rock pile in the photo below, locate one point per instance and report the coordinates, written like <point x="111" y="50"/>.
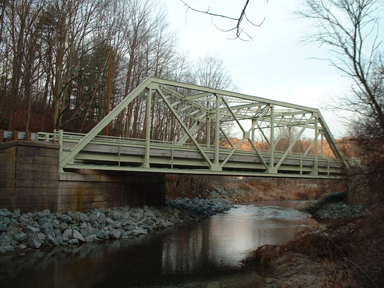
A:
<point x="333" y="211"/>
<point x="201" y="208"/>
<point x="332" y="207"/>
<point x="36" y="229"/>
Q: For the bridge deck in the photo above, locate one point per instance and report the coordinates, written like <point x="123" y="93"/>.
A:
<point x="113" y="153"/>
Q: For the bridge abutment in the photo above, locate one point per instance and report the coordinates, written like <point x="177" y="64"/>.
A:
<point x="30" y="180"/>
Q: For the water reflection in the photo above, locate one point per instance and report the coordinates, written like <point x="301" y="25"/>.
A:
<point x="209" y="249"/>
<point x="227" y="238"/>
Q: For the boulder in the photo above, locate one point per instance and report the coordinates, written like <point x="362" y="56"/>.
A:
<point x="91" y="238"/>
<point x="66" y="218"/>
<point x="32" y="230"/>
<point x="101" y="234"/>
<point x="59" y="239"/>
<point x="139" y="231"/>
<point x="63" y="226"/>
<point x="41" y="237"/>
<point x="34" y="244"/>
<point x="73" y="242"/>
<point x="20" y="236"/>
<point x="83" y="217"/>
<point x="13" y="223"/>
<point x="44" y="213"/>
<point x="77" y="235"/>
<point x="51" y="240"/>
<point x="5" y="240"/>
<point x="16" y="212"/>
<point x="8" y="248"/>
<point x="47" y="228"/>
<point x="3" y="227"/>
<point x="67" y="235"/>
<point x="5" y="213"/>
<point x="115" y="234"/>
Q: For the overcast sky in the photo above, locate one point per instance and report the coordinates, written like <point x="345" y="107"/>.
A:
<point x="274" y="65"/>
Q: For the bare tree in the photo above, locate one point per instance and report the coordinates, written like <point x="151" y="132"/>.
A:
<point x="350" y="31"/>
<point x="211" y="72"/>
<point x="236" y="28"/>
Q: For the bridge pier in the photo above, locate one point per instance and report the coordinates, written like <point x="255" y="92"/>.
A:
<point x="30" y="180"/>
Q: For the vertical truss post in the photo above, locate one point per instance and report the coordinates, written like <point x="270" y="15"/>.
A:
<point x="253" y="131"/>
<point x="148" y="129"/>
<point x="61" y="139"/>
<point x="119" y="150"/>
<point x="208" y="131"/>
<point x="316" y="161"/>
<point x="322" y="144"/>
<point x="216" y="166"/>
<point x="272" y="168"/>
<point x="289" y="139"/>
<point x="301" y="163"/>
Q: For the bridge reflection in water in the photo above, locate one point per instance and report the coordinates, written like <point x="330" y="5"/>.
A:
<point x="202" y="143"/>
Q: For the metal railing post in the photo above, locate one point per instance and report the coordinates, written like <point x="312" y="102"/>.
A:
<point x="148" y="129"/>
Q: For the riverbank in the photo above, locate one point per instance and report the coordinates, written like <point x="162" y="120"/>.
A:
<point x="345" y="253"/>
<point x="249" y="189"/>
<point x="20" y="231"/>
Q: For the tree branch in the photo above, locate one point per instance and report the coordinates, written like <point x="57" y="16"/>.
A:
<point x="237" y="30"/>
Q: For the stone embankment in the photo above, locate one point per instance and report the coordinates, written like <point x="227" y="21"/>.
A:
<point x="36" y="229"/>
<point x="332" y="207"/>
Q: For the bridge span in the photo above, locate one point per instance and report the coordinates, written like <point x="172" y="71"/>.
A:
<point x="203" y="121"/>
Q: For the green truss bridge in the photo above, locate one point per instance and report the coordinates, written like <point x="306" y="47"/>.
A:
<point x="214" y="132"/>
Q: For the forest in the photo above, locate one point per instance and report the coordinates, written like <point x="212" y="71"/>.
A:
<point x="65" y="64"/>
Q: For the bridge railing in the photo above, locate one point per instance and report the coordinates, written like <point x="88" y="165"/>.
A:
<point x="72" y="137"/>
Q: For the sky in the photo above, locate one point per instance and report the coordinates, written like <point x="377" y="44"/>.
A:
<point x="275" y="64"/>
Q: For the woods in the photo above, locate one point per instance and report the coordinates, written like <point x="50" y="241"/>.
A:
<point x="64" y="61"/>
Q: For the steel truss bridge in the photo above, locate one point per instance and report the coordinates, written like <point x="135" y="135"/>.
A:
<point x="204" y="120"/>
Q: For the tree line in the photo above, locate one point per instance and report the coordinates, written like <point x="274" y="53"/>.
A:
<point x="66" y="63"/>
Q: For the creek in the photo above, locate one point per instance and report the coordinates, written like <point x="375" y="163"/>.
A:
<point x="206" y="253"/>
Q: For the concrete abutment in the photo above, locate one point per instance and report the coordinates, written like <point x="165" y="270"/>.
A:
<point x="30" y="180"/>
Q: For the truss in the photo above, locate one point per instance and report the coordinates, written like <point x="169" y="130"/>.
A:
<point x="206" y="118"/>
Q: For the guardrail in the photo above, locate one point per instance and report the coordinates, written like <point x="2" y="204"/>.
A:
<point x="125" y="141"/>
<point x="17" y="135"/>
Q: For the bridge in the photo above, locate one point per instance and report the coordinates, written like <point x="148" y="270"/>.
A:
<point x="204" y="120"/>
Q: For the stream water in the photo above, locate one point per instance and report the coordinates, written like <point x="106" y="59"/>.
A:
<point x="201" y="254"/>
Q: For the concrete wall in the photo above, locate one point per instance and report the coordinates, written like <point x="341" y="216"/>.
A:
<point x="30" y="180"/>
<point x="84" y="190"/>
<point x="29" y="175"/>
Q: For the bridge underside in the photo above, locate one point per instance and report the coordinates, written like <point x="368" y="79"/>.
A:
<point x="207" y="131"/>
